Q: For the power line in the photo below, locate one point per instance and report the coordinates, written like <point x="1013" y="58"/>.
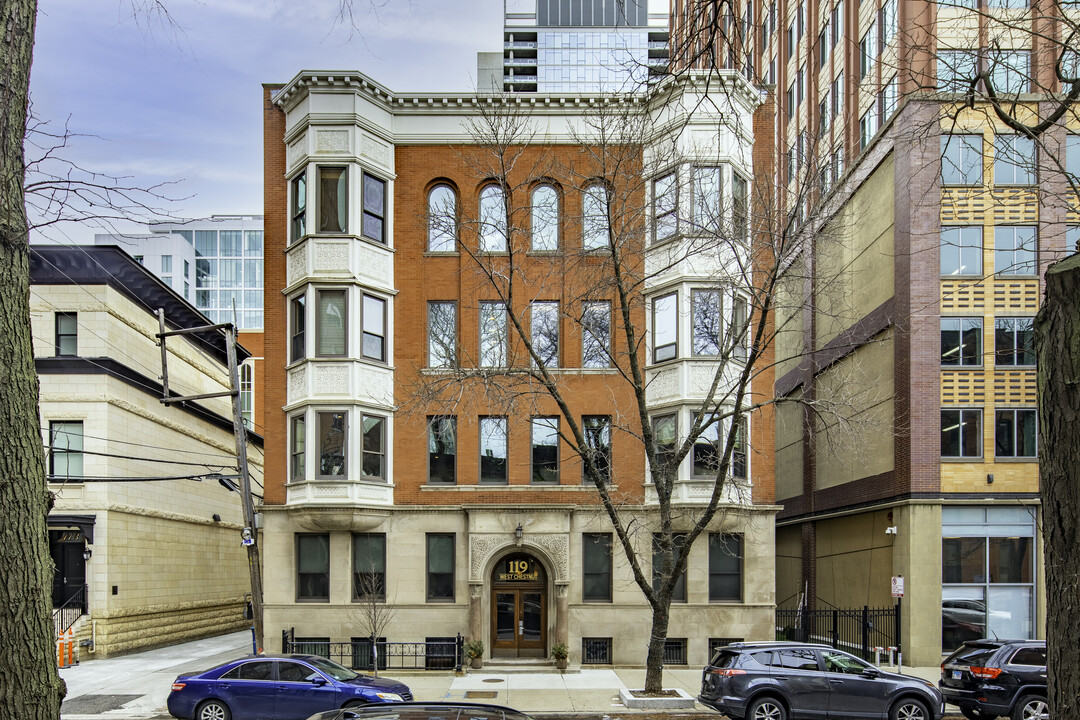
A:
<point x="146" y="459"/>
<point x="155" y="447"/>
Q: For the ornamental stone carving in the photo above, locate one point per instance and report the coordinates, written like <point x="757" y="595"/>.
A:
<point x="480" y="549"/>
<point x="295" y="150"/>
<point x="558" y="549"/>
<point x="331" y="379"/>
<point x="332" y="257"/>
<point x="664" y="385"/>
<point x="554" y="551"/>
<point x="296" y="384"/>
<point x="375" y="264"/>
<point x="332" y="141"/>
<point x="375" y="150"/>
<point x="297" y="266"/>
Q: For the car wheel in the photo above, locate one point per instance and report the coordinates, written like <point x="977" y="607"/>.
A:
<point x="909" y="709"/>
<point x="1031" y="707"/>
<point x="766" y="708"/>
<point x="213" y="710"/>
<point x="974" y="713"/>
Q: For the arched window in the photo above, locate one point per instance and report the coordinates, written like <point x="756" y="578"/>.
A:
<point x="492" y="219"/>
<point x="545" y="219"/>
<point x="594" y="206"/>
<point x="442" y="219"/>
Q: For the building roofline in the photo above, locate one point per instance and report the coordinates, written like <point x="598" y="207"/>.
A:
<point x="111" y="265"/>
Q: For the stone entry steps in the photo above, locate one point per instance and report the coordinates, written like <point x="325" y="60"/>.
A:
<point x="509" y="666"/>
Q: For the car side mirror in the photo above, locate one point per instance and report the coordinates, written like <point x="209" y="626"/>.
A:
<point x="318" y="680"/>
<point x="871" y="672"/>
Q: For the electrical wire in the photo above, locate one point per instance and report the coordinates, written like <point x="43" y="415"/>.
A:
<point x="152" y="460"/>
<point x="155" y="447"/>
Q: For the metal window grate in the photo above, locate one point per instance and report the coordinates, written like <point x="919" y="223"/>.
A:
<point x="675" y="651"/>
<point x="596" y="651"/>
<point x="717" y="643"/>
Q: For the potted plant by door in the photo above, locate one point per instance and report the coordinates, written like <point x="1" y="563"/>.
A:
<point x="474" y="650"/>
<point x="560" y="652"/>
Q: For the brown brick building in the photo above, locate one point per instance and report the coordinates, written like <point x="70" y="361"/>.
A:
<point x="402" y="251"/>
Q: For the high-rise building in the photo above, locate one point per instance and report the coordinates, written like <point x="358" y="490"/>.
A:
<point x="581" y="46"/>
<point x="906" y="433"/>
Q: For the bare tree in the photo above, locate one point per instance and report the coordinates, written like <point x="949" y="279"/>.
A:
<point x="373" y="612"/>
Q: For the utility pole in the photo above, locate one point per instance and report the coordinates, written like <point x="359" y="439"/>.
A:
<point x="249" y="535"/>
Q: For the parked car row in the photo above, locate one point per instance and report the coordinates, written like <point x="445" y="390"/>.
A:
<point x="985" y="679"/>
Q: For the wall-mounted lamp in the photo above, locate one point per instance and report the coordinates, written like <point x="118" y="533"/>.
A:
<point x="518" y="532"/>
<point x="989" y="478"/>
<point x="891" y="530"/>
<point x="86" y="553"/>
<point x="216" y="517"/>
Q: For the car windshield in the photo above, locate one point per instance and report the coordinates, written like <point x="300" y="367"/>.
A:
<point x="331" y="668"/>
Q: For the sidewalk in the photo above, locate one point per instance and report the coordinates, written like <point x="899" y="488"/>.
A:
<point x="135" y="687"/>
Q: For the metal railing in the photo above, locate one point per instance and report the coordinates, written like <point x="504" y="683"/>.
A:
<point x="854" y="630"/>
<point x="443" y="653"/>
<point x="68" y="614"/>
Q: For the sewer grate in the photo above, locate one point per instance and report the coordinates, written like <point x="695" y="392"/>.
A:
<point x="481" y="694"/>
<point x="96" y="704"/>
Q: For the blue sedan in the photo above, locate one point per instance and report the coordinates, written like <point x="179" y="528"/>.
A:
<point x="277" y="687"/>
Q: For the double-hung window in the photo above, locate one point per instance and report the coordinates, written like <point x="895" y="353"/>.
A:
<point x="440" y="567"/>
<point x="961" y="433"/>
<point x="374" y="344"/>
<point x="493" y="334"/>
<point x="706" y="188"/>
<point x="298" y="318"/>
<point x="740" y="449"/>
<point x="740" y="206"/>
<point x="545" y="219"/>
<point x="374" y="219"/>
<point x="961" y="159"/>
<point x="597" y="431"/>
<point x="956" y="70"/>
<point x="442" y="450"/>
<point x="596" y="334"/>
<point x="1014" y="250"/>
<point x="595" y="225"/>
<point x="333" y="199"/>
<point x="373" y="455"/>
<point x="725" y="567"/>
<point x="1014" y="160"/>
<point x="961" y="250"/>
<point x="544" y="333"/>
<point x="331" y="334"/>
<point x="545" y="450"/>
<point x="66" y="449"/>
<point x="333" y="432"/>
<point x="961" y="341"/>
<point x="369" y="567"/>
<point x="297" y="448"/>
<point x="1015" y="434"/>
<point x="313" y="567"/>
<point x="492" y="219"/>
<point x="299" y="206"/>
<point x="664" y="432"/>
<point x="596" y="567"/>
<point x="67" y="334"/>
<point x="867" y="52"/>
<point x="442" y="219"/>
<point x="665" y="207"/>
<point x="493" y="450"/>
<point x="1014" y="341"/>
<point x="706" y="322"/>
<point x="665" y="321"/>
<point x="442" y="334"/>
<point x="706" y="452"/>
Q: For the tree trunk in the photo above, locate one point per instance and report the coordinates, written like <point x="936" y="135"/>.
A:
<point x="30" y="687"/>
<point x="1057" y="344"/>
<point x="654" y="661"/>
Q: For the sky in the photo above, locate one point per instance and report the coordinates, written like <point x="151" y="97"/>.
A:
<point x="161" y="104"/>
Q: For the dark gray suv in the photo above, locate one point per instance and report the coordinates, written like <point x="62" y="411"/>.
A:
<point x="792" y="681"/>
<point x="988" y="678"/>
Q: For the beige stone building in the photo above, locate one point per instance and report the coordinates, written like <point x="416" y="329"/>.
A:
<point x="145" y="538"/>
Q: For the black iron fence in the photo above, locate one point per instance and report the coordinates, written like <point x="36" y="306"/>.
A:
<point x="435" y="653"/>
<point x="854" y="630"/>
<point x="67" y="614"/>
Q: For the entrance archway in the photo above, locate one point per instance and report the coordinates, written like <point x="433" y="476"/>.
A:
<point x="519" y="600"/>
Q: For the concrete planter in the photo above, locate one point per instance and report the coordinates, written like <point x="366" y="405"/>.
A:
<point x="681" y="701"/>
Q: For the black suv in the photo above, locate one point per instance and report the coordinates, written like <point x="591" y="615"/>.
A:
<point x="789" y="681"/>
<point x="987" y="678"/>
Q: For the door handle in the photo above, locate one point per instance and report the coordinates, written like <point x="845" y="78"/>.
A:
<point x="836" y="682"/>
<point x="521" y="627"/>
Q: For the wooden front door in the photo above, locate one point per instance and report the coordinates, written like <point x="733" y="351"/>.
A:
<point x="519" y="608"/>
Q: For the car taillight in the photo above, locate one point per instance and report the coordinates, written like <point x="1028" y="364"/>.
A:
<point x="985" y="672"/>
<point x="177" y="686"/>
<point x="726" y="672"/>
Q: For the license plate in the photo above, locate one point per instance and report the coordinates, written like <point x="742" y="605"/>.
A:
<point x="957" y="674"/>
